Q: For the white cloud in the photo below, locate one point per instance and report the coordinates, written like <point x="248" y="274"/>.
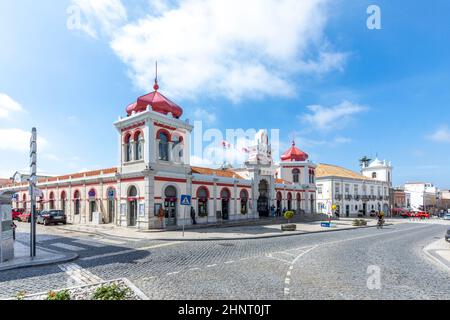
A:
<point x="19" y="140"/>
<point x="226" y="48"/>
<point x="8" y="106"/>
<point x="103" y="15"/>
<point x="335" y="117"/>
<point x="207" y="116"/>
<point x="441" y="135"/>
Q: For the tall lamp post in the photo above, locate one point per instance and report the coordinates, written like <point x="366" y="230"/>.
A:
<point x="32" y="186"/>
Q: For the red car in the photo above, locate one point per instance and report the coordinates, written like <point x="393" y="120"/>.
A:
<point x="423" y="215"/>
<point x="16" y="213"/>
<point x="26" y="216"/>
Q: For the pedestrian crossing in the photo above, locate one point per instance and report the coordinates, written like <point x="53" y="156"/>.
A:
<point x="78" y="275"/>
<point x="87" y="244"/>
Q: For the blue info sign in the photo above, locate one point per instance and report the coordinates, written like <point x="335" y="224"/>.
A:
<point x="185" y="200"/>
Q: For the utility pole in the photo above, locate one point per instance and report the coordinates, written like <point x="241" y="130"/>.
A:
<point x="32" y="186"/>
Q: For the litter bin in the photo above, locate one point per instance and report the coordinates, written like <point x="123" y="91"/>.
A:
<point x="6" y="229"/>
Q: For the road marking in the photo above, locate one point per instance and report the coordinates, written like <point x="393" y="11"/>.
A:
<point x="112" y="254"/>
<point x="110" y="241"/>
<point x="211" y="265"/>
<point x="172" y="273"/>
<point x="229" y="262"/>
<point x="68" y="247"/>
<point x="194" y="269"/>
<point x="79" y="275"/>
<point x="90" y="243"/>
<point x="148" y="278"/>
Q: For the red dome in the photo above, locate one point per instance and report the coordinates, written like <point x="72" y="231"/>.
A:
<point x="158" y="102"/>
<point x="294" y="154"/>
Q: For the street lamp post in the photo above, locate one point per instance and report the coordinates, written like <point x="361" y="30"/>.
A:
<point x="32" y="187"/>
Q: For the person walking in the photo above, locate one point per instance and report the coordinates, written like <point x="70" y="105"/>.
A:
<point x="272" y="211"/>
<point x="193" y="216"/>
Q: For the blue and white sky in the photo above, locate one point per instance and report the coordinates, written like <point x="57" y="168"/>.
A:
<point x="310" y="68"/>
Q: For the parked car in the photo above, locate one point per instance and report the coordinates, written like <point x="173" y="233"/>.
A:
<point x="423" y="215"/>
<point x="406" y="214"/>
<point x="447" y="235"/>
<point x="26" y="216"/>
<point x="16" y="213"/>
<point x="447" y="216"/>
<point x="52" y="217"/>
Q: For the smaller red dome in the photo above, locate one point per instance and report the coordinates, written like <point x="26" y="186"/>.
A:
<point x="294" y="154"/>
<point x="158" y="102"/>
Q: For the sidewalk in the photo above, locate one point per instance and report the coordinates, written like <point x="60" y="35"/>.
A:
<point x="439" y="252"/>
<point x="22" y="257"/>
<point x="268" y="230"/>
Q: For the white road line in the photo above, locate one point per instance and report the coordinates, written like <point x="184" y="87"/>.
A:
<point x="112" y="254"/>
<point x="172" y="273"/>
<point x="194" y="269"/>
<point x="90" y="243"/>
<point x="148" y="278"/>
<point x="211" y="265"/>
<point x="79" y="275"/>
<point x="110" y="241"/>
<point x="229" y="262"/>
<point x="68" y="247"/>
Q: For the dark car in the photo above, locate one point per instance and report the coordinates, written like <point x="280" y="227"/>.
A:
<point x="52" y="217"/>
<point x="447" y="235"/>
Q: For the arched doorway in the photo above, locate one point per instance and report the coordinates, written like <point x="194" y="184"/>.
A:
<point x="92" y="203"/>
<point x="244" y="201"/>
<point x="111" y="195"/>
<point x="225" y="195"/>
<point x="313" y="204"/>
<point x="263" y="200"/>
<point x="289" y="201"/>
<point x="170" y="205"/>
<point x="279" y="201"/>
<point x="132" y="206"/>
<point x="202" y="196"/>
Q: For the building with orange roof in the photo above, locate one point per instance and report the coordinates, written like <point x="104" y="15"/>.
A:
<point x="354" y="194"/>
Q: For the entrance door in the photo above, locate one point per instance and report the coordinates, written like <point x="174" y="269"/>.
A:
<point x="364" y="209"/>
<point x="170" y="210"/>
<point x="263" y="200"/>
<point x="347" y="211"/>
<point x="170" y="206"/>
<point x="225" y="209"/>
<point x="133" y="213"/>
<point x="111" y="210"/>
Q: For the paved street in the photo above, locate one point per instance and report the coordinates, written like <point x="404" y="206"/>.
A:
<point x="330" y="265"/>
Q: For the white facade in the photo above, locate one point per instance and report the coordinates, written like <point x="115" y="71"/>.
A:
<point x="423" y="196"/>
<point x="352" y="193"/>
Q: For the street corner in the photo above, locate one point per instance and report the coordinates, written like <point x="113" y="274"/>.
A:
<point x="439" y="253"/>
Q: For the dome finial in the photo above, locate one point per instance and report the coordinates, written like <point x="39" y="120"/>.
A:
<point x="156" y="86"/>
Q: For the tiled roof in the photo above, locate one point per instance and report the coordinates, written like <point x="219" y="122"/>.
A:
<point x="4" y="182"/>
<point x="281" y="181"/>
<point x="327" y="170"/>
<point x="218" y="172"/>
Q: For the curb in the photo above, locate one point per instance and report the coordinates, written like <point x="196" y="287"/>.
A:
<point x="67" y="257"/>
<point x="264" y="237"/>
<point x="436" y="258"/>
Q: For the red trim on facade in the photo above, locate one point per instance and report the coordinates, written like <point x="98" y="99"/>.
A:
<point x="203" y="183"/>
<point x="165" y="131"/>
<point x="169" y="179"/>
<point x="161" y="125"/>
<point x="134" y="126"/>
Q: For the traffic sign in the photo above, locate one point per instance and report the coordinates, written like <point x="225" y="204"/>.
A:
<point x="185" y="200"/>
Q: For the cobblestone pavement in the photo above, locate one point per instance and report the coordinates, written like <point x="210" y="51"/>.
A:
<point x="311" y="266"/>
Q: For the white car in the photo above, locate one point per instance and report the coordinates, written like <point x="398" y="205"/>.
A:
<point x="447" y="216"/>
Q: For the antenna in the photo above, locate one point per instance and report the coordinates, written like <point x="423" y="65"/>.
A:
<point x="156" y="86"/>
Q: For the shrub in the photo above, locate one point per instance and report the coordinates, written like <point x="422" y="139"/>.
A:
<point x="111" y="292"/>
<point x="20" y="295"/>
<point x="60" y="295"/>
<point x="356" y="223"/>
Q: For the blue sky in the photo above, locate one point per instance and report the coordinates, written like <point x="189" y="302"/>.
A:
<point x="311" y="69"/>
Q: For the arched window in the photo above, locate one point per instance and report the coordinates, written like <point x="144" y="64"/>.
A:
<point x="202" y="195"/>
<point x="139" y="146"/>
<point x="63" y="201"/>
<point x="225" y="194"/>
<point x="299" y="201"/>
<point x="111" y="195"/>
<point x="128" y="148"/>
<point x="92" y="203"/>
<point x="52" y="201"/>
<point x="312" y="176"/>
<point x="177" y="147"/>
<point x="76" y="197"/>
<point x="374" y="175"/>
<point x="132" y="192"/>
<point x="296" y="175"/>
<point x="244" y="201"/>
<point x="163" y="146"/>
